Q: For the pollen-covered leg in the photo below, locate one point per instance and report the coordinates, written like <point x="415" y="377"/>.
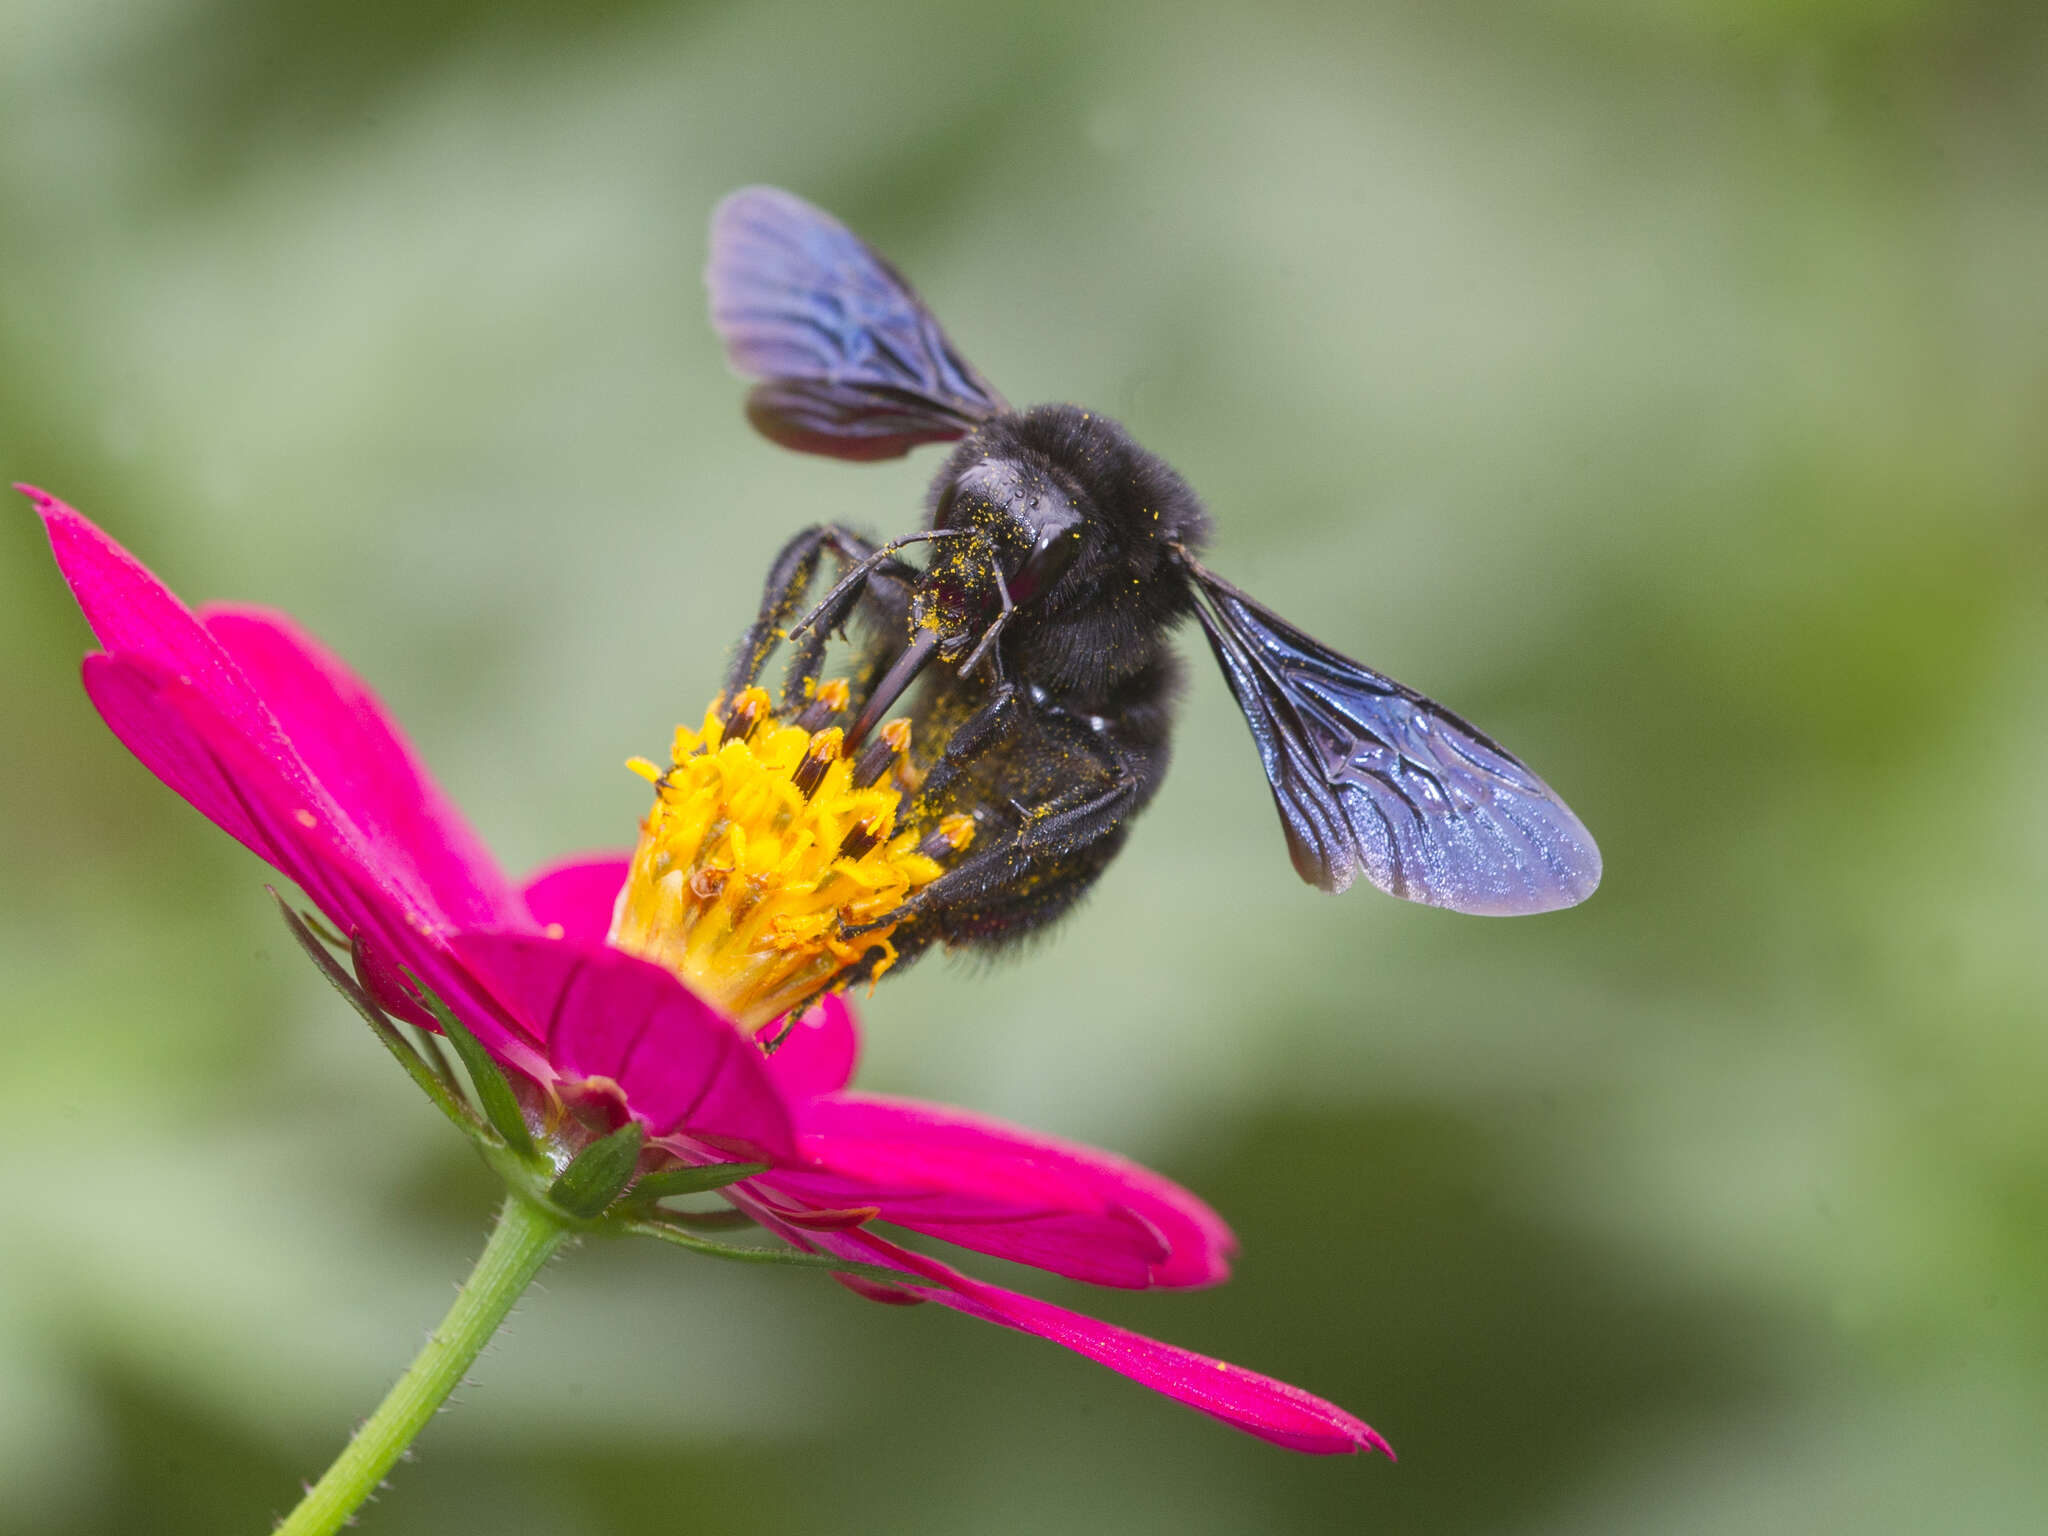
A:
<point x="876" y="586"/>
<point x="789" y="578"/>
<point x="884" y="591"/>
<point x="1045" y="835"/>
<point x="1024" y="877"/>
<point x="973" y="737"/>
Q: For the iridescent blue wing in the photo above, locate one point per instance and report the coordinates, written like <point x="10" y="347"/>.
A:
<point x="851" y="362"/>
<point x="1371" y="777"/>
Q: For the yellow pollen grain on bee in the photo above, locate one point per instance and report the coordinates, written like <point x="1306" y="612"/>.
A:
<point x="761" y="851"/>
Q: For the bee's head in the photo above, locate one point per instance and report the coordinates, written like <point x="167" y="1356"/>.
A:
<point x="1042" y="517"/>
<point x="1023" y="530"/>
<point x="1071" y="509"/>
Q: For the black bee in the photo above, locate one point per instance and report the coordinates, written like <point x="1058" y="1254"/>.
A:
<point x="1061" y="555"/>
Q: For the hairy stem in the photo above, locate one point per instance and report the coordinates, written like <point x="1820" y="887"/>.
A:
<point x="523" y="1240"/>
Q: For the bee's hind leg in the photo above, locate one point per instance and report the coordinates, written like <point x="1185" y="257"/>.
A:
<point x="972" y="737"/>
<point x="1024" y="875"/>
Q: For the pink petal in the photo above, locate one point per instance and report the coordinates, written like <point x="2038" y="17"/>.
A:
<point x="172" y="693"/>
<point x="136" y="616"/>
<point x="576" y="895"/>
<point x="130" y="697"/>
<point x="682" y="1067"/>
<point x="309" y="842"/>
<point x="1258" y="1405"/>
<point x="1001" y="1190"/>
<point x="355" y="751"/>
<point x="144" y="625"/>
<point x="815" y="1055"/>
<point x="818" y="1052"/>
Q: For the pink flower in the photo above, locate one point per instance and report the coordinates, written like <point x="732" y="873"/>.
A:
<point x="281" y="746"/>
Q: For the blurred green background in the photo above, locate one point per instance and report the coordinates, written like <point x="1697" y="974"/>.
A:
<point x="1663" y="385"/>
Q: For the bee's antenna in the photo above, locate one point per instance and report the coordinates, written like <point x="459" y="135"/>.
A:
<point x="864" y="568"/>
<point x="985" y="646"/>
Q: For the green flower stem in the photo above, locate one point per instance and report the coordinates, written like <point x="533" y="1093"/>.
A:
<point x="524" y="1239"/>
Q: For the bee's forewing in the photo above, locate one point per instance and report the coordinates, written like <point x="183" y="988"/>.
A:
<point x="852" y="364"/>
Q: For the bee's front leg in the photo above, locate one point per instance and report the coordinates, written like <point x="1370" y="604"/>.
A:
<point x="886" y="587"/>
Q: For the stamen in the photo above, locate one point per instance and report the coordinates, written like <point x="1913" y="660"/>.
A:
<point x="859" y="841"/>
<point x="822" y="754"/>
<point x="880" y="755"/>
<point x="765" y="848"/>
<point x="827" y="705"/>
<point x="748" y="711"/>
<point x="951" y="835"/>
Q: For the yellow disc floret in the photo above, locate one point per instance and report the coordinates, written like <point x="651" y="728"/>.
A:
<point x="766" y="845"/>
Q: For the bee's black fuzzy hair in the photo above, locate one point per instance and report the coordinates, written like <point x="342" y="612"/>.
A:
<point x="1138" y="511"/>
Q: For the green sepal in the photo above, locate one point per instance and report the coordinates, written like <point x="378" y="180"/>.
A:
<point x="429" y="1045"/>
<point x="428" y="1081"/>
<point x="694" y="1181"/>
<point x="600" y="1171"/>
<point x="321" y="931"/>
<point x="787" y="1258"/>
<point x="726" y="1220"/>
<point x="421" y="1038"/>
<point x="493" y="1091"/>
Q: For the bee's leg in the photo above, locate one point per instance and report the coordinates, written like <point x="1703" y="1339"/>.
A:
<point x="971" y="737"/>
<point x="1050" y="833"/>
<point x="863" y="563"/>
<point x="789" y="578"/>
<point x="1076" y="816"/>
<point x="881" y="594"/>
<point x="789" y="582"/>
<point x="1053" y="830"/>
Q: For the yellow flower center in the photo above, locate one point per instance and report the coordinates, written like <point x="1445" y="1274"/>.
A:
<point x="765" y="845"/>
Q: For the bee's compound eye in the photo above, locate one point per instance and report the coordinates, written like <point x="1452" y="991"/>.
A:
<point x="1034" y="526"/>
<point x="1051" y="555"/>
